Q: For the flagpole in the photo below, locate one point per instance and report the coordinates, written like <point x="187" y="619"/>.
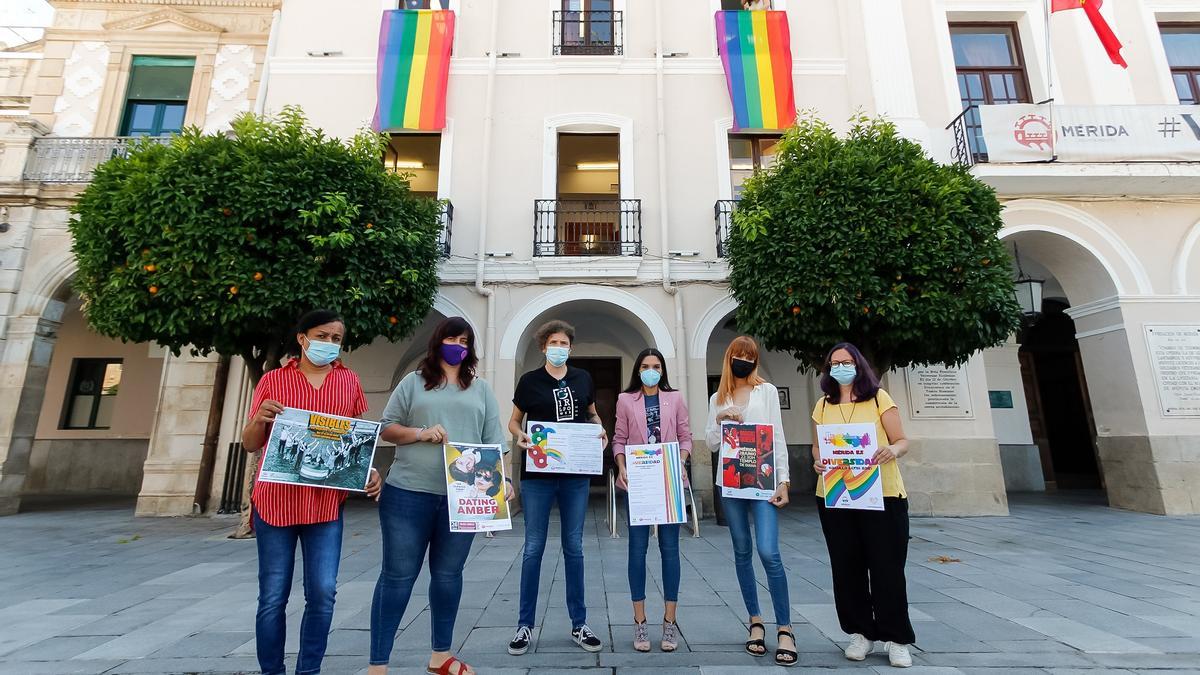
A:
<point x="1050" y="81"/>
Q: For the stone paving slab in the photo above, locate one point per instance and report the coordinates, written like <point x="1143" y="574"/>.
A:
<point x="1064" y="585"/>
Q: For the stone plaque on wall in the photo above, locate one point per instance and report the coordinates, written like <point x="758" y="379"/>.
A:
<point x="938" y="392"/>
<point x="1175" y="358"/>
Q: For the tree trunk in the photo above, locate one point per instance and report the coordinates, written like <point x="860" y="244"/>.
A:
<point x="257" y="365"/>
<point x="208" y="455"/>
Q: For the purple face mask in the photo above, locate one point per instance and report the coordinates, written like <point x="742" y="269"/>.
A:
<point x="453" y="354"/>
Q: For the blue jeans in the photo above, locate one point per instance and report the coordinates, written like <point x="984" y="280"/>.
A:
<point x="413" y="522"/>
<point x="668" y="549"/>
<point x="537" y="497"/>
<point x="739" y="513"/>
<point x="321" y="548"/>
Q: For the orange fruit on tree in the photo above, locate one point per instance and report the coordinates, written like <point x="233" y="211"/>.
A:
<point x="258" y="276"/>
<point x="796" y="311"/>
<point x="393" y="320"/>
<point x="227" y="211"/>
<point x="151" y="267"/>
<point x="233" y="290"/>
<point x="370" y="225"/>
<point x="153" y="290"/>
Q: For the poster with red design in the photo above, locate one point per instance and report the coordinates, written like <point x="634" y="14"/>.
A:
<point x="747" y="460"/>
<point x="476" y="491"/>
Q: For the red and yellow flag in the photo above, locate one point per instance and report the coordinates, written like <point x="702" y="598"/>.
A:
<point x="1107" y="37"/>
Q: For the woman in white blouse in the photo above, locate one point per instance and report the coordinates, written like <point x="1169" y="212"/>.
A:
<point x="743" y="396"/>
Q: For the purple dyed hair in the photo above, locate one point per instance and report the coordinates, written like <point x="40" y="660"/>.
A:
<point x="866" y="383"/>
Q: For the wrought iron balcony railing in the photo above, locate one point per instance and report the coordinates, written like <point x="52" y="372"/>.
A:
<point x="593" y="33"/>
<point x="968" y="148"/>
<point x="723" y="214"/>
<point x="447" y="222"/>
<point x="55" y="159"/>
<point x="592" y="227"/>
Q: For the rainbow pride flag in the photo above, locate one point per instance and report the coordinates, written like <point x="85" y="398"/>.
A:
<point x="413" y="69"/>
<point x="841" y="480"/>
<point x="756" y="52"/>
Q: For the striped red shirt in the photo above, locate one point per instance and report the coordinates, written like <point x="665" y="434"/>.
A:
<point x="280" y="504"/>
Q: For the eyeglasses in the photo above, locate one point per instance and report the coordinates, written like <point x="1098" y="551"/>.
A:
<point x="840" y="363"/>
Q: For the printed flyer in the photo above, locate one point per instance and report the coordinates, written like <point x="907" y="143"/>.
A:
<point x="319" y="450"/>
<point x="476" y="492"/>
<point x="852" y="479"/>
<point x="655" y="474"/>
<point x="565" y="447"/>
<point x="747" y="460"/>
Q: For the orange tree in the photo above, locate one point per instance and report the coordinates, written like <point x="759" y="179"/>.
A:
<point x="219" y="242"/>
<point x="864" y="238"/>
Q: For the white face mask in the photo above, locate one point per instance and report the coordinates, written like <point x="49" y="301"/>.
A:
<point x="322" y="353"/>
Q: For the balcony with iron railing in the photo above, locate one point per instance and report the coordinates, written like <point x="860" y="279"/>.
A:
<point x="590" y="33"/>
<point x="587" y="227"/>
<point x="723" y="215"/>
<point x="54" y="159"/>
<point x="447" y="218"/>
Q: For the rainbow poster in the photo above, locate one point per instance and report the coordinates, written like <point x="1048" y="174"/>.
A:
<point x="413" y="68"/>
<point x="565" y="447"/>
<point x="756" y="52"/>
<point x="656" y="480"/>
<point x="852" y="479"/>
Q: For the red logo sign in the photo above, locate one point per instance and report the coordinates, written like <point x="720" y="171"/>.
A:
<point x="1034" y="131"/>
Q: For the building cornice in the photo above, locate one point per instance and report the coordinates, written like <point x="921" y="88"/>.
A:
<point x="225" y="4"/>
<point x="165" y="15"/>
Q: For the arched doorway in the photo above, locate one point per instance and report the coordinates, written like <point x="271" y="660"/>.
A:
<point x="1076" y="366"/>
<point x="82" y="428"/>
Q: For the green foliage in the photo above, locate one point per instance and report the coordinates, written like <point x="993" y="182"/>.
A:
<point x="866" y="239"/>
<point x="220" y="242"/>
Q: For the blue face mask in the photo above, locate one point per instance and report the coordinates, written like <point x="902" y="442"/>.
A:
<point x="843" y="374"/>
<point x="557" y="355"/>
<point x="322" y="353"/>
<point x="650" y="377"/>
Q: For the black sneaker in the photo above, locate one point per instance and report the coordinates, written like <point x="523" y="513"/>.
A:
<point x="584" y="637"/>
<point x="520" y="642"/>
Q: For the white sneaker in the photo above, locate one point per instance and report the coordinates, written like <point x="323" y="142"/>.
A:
<point x="898" y="655"/>
<point x="859" y="647"/>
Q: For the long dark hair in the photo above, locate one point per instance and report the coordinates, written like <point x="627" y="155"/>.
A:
<point x="310" y="320"/>
<point x="635" y="380"/>
<point x="431" y="365"/>
<point x="865" y="385"/>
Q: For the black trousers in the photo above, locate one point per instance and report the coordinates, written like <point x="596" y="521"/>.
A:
<point x="867" y="550"/>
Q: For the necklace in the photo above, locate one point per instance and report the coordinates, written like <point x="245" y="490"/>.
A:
<point x="843" y="414"/>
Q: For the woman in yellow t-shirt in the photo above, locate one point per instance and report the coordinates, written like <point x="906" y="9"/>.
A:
<point x="867" y="549"/>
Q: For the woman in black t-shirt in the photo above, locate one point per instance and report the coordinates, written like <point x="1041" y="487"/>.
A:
<point x="555" y="392"/>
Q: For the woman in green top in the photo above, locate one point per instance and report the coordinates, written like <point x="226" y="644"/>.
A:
<point x="442" y="402"/>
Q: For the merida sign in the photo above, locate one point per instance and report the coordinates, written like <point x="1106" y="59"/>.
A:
<point x="1130" y="133"/>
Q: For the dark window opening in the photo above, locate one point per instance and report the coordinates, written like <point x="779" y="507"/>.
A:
<point x="157" y="96"/>
<point x="92" y="394"/>
<point x="990" y="70"/>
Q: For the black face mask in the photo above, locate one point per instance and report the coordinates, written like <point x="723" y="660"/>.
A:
<point x="741" y="368"/>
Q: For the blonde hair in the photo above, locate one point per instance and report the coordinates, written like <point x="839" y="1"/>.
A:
<point x="743" y="347"/>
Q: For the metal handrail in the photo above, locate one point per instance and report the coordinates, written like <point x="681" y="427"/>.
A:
<point x="723" y="215"/>
<point x="447" y="219"/>
<point x="63" y="159"/>
<point x="610" y="515"/>
<point x="961" y="151"/>
<point x="587" y="227"/>
<point x="575" y="34"/>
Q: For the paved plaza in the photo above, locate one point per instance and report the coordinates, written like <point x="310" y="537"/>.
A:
<point x="1063" y="585"/>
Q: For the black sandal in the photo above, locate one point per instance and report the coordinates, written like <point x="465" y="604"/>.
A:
<point x="760" y="643"/>
<point x="786" y="657"/>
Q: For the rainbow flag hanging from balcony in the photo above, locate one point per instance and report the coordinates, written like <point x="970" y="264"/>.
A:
<point x="756" y="52"/>
<point x="413" y="69"/>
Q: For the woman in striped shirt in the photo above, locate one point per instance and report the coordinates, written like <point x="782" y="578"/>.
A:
<point x="284" y="514"/>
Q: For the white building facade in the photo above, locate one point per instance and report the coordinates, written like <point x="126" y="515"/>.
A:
<point x="591" y="165"/>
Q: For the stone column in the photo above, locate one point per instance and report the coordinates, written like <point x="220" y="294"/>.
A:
<point x="181" y="418"/>
<point x="1149" y="454"/>
<point x="953" y="465"/>
<point x="23" y="371"/>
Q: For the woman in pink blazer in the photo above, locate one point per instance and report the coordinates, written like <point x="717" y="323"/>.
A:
<point x="650" y="411"/>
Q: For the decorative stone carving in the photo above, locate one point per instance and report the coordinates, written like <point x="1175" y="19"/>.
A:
<point x="158" y="18"/>
<point x="233" y="70"/>
<point x="83" y="77"/>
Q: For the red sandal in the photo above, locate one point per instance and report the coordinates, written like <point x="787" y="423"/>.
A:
<point x="444" y="669"/>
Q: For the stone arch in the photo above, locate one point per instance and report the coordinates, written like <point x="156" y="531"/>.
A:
<point x="1184" y="267"/>
<point x="628" y="302"/>
<point x="1122" y="266"/>
<point x="709" y="322"/>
